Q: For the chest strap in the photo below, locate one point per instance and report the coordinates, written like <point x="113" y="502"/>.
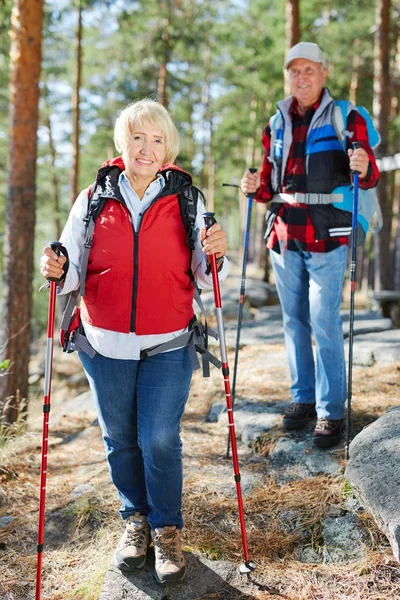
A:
<point x="311" y="198"/>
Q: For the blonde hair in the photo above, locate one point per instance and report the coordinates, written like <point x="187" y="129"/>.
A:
<point x="138" y="113"/>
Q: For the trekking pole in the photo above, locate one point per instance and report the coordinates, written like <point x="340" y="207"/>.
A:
<point x="353" y="259"/>
<point x="241" y="298"/>
<point x="56" y="247"/>
<point x="247" y="566"/>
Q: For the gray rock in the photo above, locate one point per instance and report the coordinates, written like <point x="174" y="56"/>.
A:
<point x="83" y="403"/>
<point x="216" y="409"/>
<point x="344" y="540"/>
<point x="297" y="459"/>
<point x="204" y="577"/>
<point x="380" y="347"/>
<point x="374" y="475"/>
<point x="252" y="419"/>
<point x="309" y="555"/>
<point x="260" y="293"/>
<point x="4" y="521"/>
<point x="34" y="378"/>
<point x="82" y="490"/>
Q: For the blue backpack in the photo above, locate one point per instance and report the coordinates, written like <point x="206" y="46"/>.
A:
<point x="369" y="211"/>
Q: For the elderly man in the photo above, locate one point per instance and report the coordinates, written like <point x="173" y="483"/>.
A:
<point x="304" y="164"/>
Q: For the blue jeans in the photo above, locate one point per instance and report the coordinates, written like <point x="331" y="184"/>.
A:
<point x="309" y="286"/>
<point x="140" y="404"/>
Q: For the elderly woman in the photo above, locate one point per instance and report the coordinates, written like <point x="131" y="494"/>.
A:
<point x="139" y="294"/>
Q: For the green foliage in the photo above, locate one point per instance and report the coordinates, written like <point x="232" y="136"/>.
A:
<point x="224" y="76"/>
<point x="4" y="364"/>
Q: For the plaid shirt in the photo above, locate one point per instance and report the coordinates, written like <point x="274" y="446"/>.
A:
<point x="293" y="228"/>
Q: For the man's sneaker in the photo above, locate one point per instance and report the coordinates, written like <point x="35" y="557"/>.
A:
<point x="328" y="433"/>
<point x="170" y="564"/>
<point x="131" y="551"/>
<point x="297" y="415"/>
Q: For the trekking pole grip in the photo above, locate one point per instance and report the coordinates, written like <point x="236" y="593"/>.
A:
<point x="209" y="219"/>
<point x="355" y="146"/>
<point x="56" y="247"/>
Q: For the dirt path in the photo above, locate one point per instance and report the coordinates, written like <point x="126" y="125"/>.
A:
<point x="285" y="523"/>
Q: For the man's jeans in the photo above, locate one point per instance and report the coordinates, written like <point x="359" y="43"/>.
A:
<point x="309" y="286"/>
<point x="140" y="405"/>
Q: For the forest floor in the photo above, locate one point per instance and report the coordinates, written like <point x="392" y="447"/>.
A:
<point x="82" y="530"/>
<point x="82" y="521"/>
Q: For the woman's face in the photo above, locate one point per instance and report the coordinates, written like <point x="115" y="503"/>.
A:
<point x="145" y="153"/>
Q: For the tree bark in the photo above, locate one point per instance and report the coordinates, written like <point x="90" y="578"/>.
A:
<point x="292" y="29"/>
<point x="76" y="107"/>
<point x="381" y="111"/>
<point x="25" y="65"/>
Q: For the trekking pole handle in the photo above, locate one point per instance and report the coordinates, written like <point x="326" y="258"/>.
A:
<point x="56" y="247"/>
<point x="252" y="171"/>
<point x="356" y="145"/>
<point x="209" y="219"/>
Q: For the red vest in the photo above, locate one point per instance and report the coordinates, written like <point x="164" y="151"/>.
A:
<point x="139" y="282"/>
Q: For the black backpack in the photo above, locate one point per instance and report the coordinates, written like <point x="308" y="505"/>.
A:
<point x="72" y="336"/>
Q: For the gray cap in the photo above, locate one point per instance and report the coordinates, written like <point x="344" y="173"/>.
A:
<point x="306" y="50"/>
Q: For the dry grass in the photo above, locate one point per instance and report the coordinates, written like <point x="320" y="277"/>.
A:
<point x="81" y="533"/>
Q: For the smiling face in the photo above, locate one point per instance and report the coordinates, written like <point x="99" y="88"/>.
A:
<point x="144" y="154"/>
<point x="307" y="78"/>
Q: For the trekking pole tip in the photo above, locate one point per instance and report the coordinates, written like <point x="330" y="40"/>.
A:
<point x="247" y="567"/>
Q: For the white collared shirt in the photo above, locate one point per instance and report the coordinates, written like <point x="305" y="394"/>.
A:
<point x="114" y="344"/>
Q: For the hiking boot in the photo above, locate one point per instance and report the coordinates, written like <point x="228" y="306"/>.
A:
<point x="170" y="564"/>
<point x="328" y="433"/>
<point x="297" y="415"/>
<point x="131" y="550"/>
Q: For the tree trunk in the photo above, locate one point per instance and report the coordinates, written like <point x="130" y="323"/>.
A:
<point x="25" y="64"/>
<point x="355" y="73"/>
<point x="76" y="107"/>
<point x="292" y="23"/>
<point x="381" y="111"/>
<point x="292" y="29"/>
<point x="54" y="180"/>
<point x="163" y="77"/>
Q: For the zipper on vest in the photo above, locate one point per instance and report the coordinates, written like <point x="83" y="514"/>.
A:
<point x="135" y="278"/>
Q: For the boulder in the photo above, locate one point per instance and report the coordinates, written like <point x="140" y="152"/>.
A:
<point x="373" y="472"/>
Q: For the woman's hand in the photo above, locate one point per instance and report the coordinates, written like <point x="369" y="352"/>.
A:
<point x="52" y="265"/>
<point x="214" y="241"/>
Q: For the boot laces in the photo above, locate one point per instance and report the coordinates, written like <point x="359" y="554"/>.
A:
<point x="166" y="545"/>
<point x="323" y="424"/>
<point x="136" y="535"/>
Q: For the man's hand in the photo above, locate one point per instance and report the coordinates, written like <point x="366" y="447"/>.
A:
<point x="250" y="182"/>
<point x="359" y="161"/>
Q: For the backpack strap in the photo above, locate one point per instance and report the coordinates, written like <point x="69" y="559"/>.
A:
<point x="273" y="122"/>
<point x="339" y="121"/>
<point x="196" y="338"/>
<point x="340" y="112"/>
<point x="95" y="206"/>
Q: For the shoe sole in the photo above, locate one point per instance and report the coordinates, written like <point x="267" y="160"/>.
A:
<point x="129" y="564"/>
<point x="326" y="442"/>
<point x="172" y="578"/>
<point x="291" y="424"/>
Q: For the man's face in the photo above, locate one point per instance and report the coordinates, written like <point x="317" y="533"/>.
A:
<point x="307" y="78"/>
